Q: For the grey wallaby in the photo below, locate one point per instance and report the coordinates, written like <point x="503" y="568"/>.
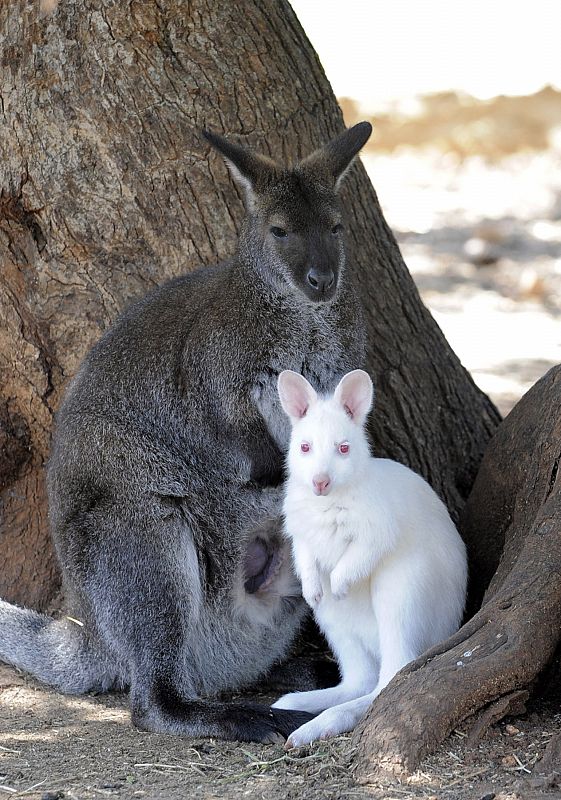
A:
<point x="167" y="463"/>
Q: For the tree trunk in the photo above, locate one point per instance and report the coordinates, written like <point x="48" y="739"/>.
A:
<point x="512" y="518"/>
<point x="108" y="189"/>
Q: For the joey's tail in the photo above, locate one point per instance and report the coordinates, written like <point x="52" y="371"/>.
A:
<point x="59" y="653"/>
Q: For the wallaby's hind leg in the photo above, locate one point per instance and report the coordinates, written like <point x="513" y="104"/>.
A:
<point x="159" y="622"/>
<point x="398" y="620"/>
<point x="395" y="653"/>
<point x="161" y="709"/>
<point x="164" y="700"/>
<point x="332" y="722"/>
<point x="394" y="639"/>
<point x="358" y="676"/>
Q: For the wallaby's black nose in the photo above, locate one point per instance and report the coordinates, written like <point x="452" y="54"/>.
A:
<point x="321" y="281"/>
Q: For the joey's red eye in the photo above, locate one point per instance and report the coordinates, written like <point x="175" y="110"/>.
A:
<point x="344" y="448"/>
<point x="305" y="447"/>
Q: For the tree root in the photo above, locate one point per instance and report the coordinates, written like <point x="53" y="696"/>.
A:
<point x="511" y="704"/>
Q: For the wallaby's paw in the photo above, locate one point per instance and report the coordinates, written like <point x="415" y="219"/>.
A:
<point x="339" y="586"/>
<point x="294" y="701"/>
<point x="286" y="721"/>
<point x="314" y="599"/>
<point x="328" y="724"/>
<point x="312" y="590"/>
<point x="313" y="702"/>
<point x="256" y="723"/>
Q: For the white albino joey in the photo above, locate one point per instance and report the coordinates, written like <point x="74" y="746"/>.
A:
<point x="379" y="558"/>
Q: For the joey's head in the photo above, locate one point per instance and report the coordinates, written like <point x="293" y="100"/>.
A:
<point x="293" y="234"/>
<point x="328" y="446"/>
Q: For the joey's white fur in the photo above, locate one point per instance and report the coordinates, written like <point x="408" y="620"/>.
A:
<point x="380" y="561"/>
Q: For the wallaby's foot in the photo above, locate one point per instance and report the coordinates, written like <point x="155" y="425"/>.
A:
<point x="325" y="726"/>
<point x="332" y="722"/>
<point x="298" y="701"/>
<point x="284" y="720"/>
<point x="318" y="700"/>
<point x="249" y="722"/>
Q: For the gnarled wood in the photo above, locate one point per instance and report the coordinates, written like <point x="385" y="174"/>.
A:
<point x="108" y="188"/>
<point x="514" y="635"/>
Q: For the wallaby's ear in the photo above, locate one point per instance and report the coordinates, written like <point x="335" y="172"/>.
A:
<point x="296" y="394"/>
<point x="250" y="170"/>
<point x="334" y="158"/>
<point x="355" y="393"/>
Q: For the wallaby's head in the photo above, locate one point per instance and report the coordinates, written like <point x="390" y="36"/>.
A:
<point x="328" y="447"/>
<point x="293" y="233"/>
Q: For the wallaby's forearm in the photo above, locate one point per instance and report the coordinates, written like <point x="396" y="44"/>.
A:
<point x="357" y="563"/>
<point x="308" y="571"/>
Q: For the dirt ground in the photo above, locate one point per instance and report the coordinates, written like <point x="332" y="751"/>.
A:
<point x="54" y="747"/>
<point x="483" y="241"/>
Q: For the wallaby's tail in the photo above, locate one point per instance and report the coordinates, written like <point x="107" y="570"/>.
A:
<point x="58" y="652"/>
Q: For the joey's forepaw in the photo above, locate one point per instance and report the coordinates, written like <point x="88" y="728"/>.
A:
<point x="313" y="599"/>
<point x="339" y="586"/>
<point x="312" y="589"/>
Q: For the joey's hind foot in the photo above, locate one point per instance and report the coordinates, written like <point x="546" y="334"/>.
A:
<point x="311" y="702"/>
<point x="331" y="722"/>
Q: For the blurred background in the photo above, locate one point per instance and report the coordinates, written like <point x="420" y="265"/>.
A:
<point x="465" y="99"/>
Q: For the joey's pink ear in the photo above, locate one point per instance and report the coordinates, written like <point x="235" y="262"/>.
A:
<point x="296" y="394"/>
<point x="355" y="393"/>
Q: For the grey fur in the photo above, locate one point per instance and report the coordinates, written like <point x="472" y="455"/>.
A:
<point x="164" y="479"/>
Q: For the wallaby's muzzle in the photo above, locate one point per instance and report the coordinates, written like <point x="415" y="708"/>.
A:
<point x="322" y="283"/>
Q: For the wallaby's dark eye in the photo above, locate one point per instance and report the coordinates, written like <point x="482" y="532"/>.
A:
<point x="336" y="229"/>
<point x="280" y="233"/>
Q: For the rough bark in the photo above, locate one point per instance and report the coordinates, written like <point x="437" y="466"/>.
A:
<point x="515" y="502"/>
<point x="107" y="188"/>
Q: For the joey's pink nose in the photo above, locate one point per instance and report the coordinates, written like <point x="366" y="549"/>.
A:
<point x="322" y="484"/>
